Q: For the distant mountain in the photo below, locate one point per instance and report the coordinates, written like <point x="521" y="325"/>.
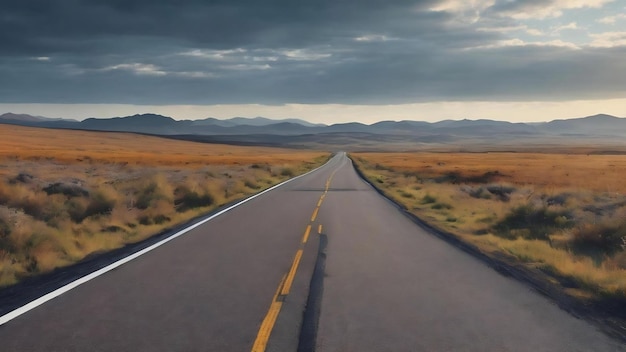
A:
<point x="600" y="124"/>
<point x="255" y="121"/>
<point x="145" y="123"/>
<point x="25" y="118"/>
<point x="597" y="126"/>
<point x="263" y="121"/>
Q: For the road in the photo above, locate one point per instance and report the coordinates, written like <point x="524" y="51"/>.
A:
<point x="241" y="281"/>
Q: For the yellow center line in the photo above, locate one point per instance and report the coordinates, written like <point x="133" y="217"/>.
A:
<point x="260" y="344"/>
<point x="292" y="273"/>
<point x="268" y="323"/>
<point x="306" y="234"/>
<point x="315" y="214"/>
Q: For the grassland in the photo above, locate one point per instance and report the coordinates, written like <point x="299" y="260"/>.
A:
<point x="564" y="214"/>
<point x="65" y="195"/>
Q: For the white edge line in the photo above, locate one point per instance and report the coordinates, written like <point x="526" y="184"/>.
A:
<point x="61" y="290"/>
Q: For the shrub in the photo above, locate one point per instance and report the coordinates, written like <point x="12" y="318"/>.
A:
<point x="405" y="194"/>
<point x="439" y="206"/>
<point x="251" y="184"/>
<point x="99" y="204"/>
<point x="22" y="177"/>
<point x="477" y="192"/>
<point x="185" y="199"/>
<point x="428" y="199"/>
<point x="456" y="177"/>
<point x="287" y="172"/>
<point x="502" y="192"/>
<point x="5" y="231"/>
<point x="532" y="222"/>
<point x="559" y="199"/>
<point x="70" y="190"/>
<point x="76" y="209"/>
<point x="81" y="208"/>
<point x="152" y="192"/>
<point x="20" y="197"/>
<point x="593" y="238"/>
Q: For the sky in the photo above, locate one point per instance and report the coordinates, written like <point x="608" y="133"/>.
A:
<point x="324" y="61"/>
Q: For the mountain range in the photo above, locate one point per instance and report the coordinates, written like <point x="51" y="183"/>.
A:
<point x="255" y="130"/>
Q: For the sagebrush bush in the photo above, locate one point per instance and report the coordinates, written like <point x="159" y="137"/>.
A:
<point x="185" y="199"/>
<point x="603" y="237"/>
<point x="153" y="191"/>
<point x="100" y="203"/>
<point x="531" y="222"/>
<point x="5" y="231"/>
<point x="428" y="199"/>
<point x="287" y="172"/>
<point x="67" y="189"/>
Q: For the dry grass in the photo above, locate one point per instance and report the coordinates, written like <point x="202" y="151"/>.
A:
<point x="563" y="212"/>
<point x="68" y="194"/>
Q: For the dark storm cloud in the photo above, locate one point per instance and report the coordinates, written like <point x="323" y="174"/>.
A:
<point x="274" y="52"/>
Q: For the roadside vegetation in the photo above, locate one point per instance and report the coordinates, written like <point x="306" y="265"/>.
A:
<point x="65" y="195"/>
<point x="563" y="214"/>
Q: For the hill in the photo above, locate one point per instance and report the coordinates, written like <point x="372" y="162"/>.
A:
<point x="601" y="128"/>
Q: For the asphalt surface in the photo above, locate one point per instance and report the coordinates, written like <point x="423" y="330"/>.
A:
<point x="242" y="280"/>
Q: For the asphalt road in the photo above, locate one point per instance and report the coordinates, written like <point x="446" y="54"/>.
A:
<point x="241" y="281"/>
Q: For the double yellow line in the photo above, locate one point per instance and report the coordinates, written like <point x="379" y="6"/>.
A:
<point x="263" y="336"/>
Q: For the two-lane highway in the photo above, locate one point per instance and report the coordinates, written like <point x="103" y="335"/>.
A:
<point x="240" y="282"/>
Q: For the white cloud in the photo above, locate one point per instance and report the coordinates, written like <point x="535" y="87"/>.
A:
<point x="534" y="32"/>
<point x="152" y="70"/>
<point x="565" y="27"/>
<point x="520" y="43"/>
<point x="138" y="68"/>
<point x="304" y="55"/>
<point x="612" y="19"/>
<point x="41" y="58"/>
<point x="548" y="9"/>
<point x="468" y="11"/>
<point x="246" y="67"/>
<point x="608" y="39"/>
<point x="372" y="38"/>
<point x="462" y="6"/>
<point x="502" y="29"/>
<point x="214" y="54"/>
<point x="195" y="74"/>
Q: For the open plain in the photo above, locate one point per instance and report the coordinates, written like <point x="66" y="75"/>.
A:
<point x="66" y="195"/>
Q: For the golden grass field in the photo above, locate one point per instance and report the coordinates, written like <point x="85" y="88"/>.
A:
<point x="68" y="194"/>
<point x="563" y="213"/>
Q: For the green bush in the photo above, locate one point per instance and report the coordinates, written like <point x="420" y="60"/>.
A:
<point x="149" y="195"/>
<point x="81" y="208"/>
<point x="185" y="199"/>
<point x="286" y="172"/>
<point x="99" y="204"/>
<point x="5" y="230"/>
<point x="439" y="206"/>
<point x="67" y="189"/>
<point x="428" y="199"/>
<point x="251" y="184"/>
<point x="532" y="222"/>
<point x="602" y="238"/>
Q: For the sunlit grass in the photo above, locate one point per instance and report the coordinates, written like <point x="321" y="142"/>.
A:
<point x="65" y="195"/>
<point x="564" y="213"/>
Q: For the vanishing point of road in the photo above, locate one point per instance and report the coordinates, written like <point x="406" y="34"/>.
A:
<point x="321" y="263"/>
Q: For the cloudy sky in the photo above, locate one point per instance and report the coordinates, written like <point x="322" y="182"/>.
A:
<point x="323" y="60"/>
